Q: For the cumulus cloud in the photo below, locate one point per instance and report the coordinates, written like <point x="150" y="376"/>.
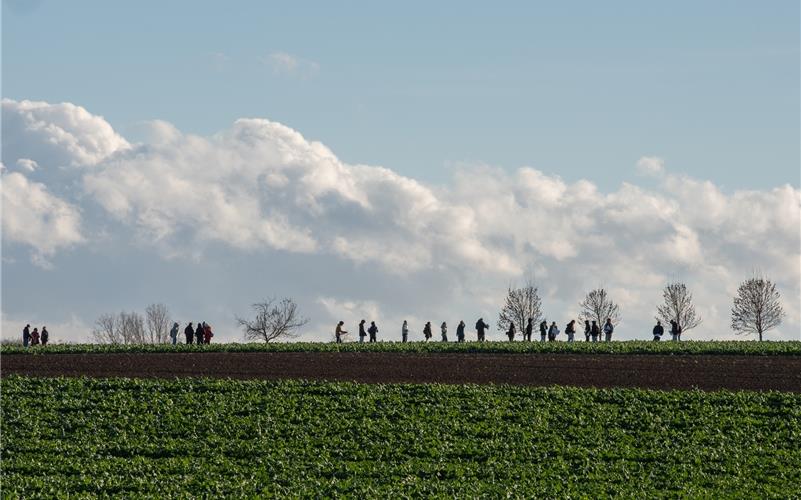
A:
<point x="260" y="186"/>
<point x="27" y="164"/>
<point x="283" y="63"/>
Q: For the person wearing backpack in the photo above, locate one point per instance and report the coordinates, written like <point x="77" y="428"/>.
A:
<point x="659" y="330"/>
<point x="553" y="331"/>
<point x="444" y="329"/>
<point x="427" y="330"/>
<point x="570" y="330"/>
<point x="362" y="333"/>
<point x="543" y="330"/>
<point x="481" y="327"/>
<point x="608" y="329"/>
<point x="460" y="332"/>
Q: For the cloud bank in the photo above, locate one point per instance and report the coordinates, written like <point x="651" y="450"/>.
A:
<point x="259" y="186"/>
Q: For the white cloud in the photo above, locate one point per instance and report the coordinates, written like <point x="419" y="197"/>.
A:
<point x="283" y="63"/>
<point x="260" y="186"/>
<point x="27" y="164"/>
<point x="651" y="166"/>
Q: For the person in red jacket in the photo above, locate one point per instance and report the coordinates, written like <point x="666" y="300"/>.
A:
<point x="35" y="336"/>
<point x="207" y="333"/>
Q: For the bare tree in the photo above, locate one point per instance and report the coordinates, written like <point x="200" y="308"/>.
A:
<point x="157" y="319"/>
<point x="678" y="307"/>
<point x="131" y="328"/>
<point x="274" y="320"/>
<point x="597" y="306"/>
<point x="757" y="307"/>
<point x="106" y="331"/>
<point x="521" y="304"/>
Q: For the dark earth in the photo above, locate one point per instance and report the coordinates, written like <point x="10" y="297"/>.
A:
<point x="782" y="373"/>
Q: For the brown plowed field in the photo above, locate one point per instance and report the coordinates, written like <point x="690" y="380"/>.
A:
<point x="647" y="371"/>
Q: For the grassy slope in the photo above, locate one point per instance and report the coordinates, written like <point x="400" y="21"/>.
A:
<point x="638" y="347"/>
<point x="216" y="437"/>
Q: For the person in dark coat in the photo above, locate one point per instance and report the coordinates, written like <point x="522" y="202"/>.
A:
<point x="570" y="330"/>
<point x="529" y="328"/>
<point x="481" y="328"/>
<point x="45" y="336"/>
<point x="674" y="331"/>
<point x="511" y="331"/>
<point x="362" y="333"/>
<point x="427" y="330"/>
<point x="586" y="330"/>
<point x="373" y="330"/>
<point x="595" y="331"/>
<point x="460" y="332"/>
<point x="26" y="335"/>
<point x="659" y="330"/>
<point x="543" y="330"/>
<point x="553" y="331"/>
<point x="174" y="333"/>
<point x="199" y="331"/>
<point x="189" y="332"/>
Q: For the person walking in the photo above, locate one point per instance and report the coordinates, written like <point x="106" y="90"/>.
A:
<point x="405" y="332"/>
<point x="543" y="330"/>
<point x="553" y="331"/>
<point x="674" y="331"/>
<point x="529" y="327"/>
<point x="427" y="330"/>
<point x="511" y="331"/>
<point x="199" y="333"/>
<point x="45" y="336"/>
<point x="35" y="336"/>
<point x="362" y="333"/>
<point x="189" y="332"/>
<point x="174" y="333"/>
<point x="373" y="330"/>
<point x="338" y="332"/>
<point x="608" y="329"/>
<point x="26" y="335"/>
<point x="460" y="332"/>
<point x="586" y="330"/>
<point x="570" y="330"/>
<point x="444" y="328"/>
<point x="595" y="331"/>
<point x="659" y="330"/>
<point x="207" y="333"/>
<point x="481" y="329"/>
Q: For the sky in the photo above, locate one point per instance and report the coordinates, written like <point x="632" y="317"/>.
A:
<point x="396" y="161"/>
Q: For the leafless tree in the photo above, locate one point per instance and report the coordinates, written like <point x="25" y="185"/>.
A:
<point x="131" y="326"/>
<point x="521" y="304"/>
<point x="274" y="320"/>
<point x="757" y="307"/>
<point x="106" y="331"/>
<point x="597" y="306"/>
<point x="678" y="307"/>
<point x="157" y="319"/>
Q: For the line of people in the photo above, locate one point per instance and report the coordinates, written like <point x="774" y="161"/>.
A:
<point x="35" y="337"/>
<point x="675" y="331"/>
<point x="200" y="335"/>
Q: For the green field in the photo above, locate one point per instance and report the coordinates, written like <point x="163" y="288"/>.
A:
<point x="162" y="438"/>
<point x="626" y="347"/>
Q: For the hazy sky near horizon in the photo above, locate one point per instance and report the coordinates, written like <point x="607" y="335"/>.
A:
<point x="396" y="161"/>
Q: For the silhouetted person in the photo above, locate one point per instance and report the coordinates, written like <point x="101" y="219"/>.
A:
<point x="373" y="330"/>
<point x="481" y="328"/>
<point x="45" y="336"/>
<point x="543" y="330"/>
<point x="674" y="331"/>
<point x="595" y="331"/>
<point x="511" y="331"/>
<point x="608" y="329"/>
<point x="553" y="331"/>
<point x="659" y="330"/>
<point x="362" y="333"/>
<point x="529" y="328"/>
<point x="35" y="336"/>
<point x="405" y="331"/>
<point x="444" y="329"/>
<point x="199" y="333"/>
<point x="338" y="332"/>
<point x="207" y="333"/>
<point x="427" y="330"/>
<point x="26" y="335"/>
<point x="586" y="330"/>
<point x="174" y="333"/>
<point x="570" y="330"/>
<point x="189" y="332"/>
<point x="460" y="332"/>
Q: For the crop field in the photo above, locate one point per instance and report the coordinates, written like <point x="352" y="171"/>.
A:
<point x="204" y="437"/>
<point x="618" y="347"/>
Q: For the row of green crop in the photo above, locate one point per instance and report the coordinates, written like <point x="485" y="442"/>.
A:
<point x="626" y="347"/>
<point x="216" y="438"/>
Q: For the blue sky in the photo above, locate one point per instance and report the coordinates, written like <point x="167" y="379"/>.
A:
<point x="580" y="89"/>
<point x="403" y="161"/>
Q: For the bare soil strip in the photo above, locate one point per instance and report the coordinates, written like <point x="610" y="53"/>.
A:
<point x="713" y="372"/>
